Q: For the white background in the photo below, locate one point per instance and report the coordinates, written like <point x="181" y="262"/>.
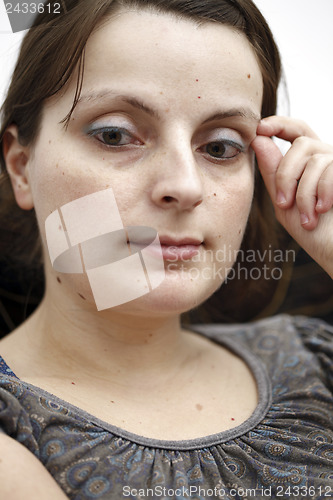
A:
<point x="304" y="33"/>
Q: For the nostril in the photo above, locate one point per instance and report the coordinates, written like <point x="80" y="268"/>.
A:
<point x="168" y="199"/>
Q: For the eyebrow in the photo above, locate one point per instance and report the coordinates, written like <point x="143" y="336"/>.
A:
<point x="246" y="113"/>
<point x="132" y="101"/>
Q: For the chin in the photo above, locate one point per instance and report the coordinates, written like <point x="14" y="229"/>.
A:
<point x="179" y="292"/>
<point x="174" y="296"/>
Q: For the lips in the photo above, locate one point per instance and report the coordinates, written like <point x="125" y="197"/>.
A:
<point x="173" y="249"/>
<point x="178" y="249"/>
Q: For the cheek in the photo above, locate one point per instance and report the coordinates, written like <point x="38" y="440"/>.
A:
<point x="237" y="193"/>
<point x="242" y="199"/>
<point x="56" y="180"/>
<point x="233" y="205"/>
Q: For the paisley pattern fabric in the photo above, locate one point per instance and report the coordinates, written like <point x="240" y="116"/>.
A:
<point x="284" y="450"/>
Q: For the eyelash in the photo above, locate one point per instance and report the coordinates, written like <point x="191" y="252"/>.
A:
<point x="125" y="133"/>
<point x="225" y="143"/>
<point x="115" y="130"/>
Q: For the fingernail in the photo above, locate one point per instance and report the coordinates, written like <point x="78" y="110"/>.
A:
<point x="280" y="198"/>
<point x="304" y="219"/>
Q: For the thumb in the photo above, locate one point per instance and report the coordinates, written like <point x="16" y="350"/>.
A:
<point x="268" y="157"/>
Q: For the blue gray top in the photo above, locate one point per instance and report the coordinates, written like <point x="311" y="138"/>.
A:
<point x="284" y="450"/>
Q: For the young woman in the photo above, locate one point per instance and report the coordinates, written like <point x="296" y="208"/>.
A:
<point x="158" y="105"/>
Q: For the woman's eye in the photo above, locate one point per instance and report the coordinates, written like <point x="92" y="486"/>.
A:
<point x="223" y="150"/>
<point x="114" y="136"/>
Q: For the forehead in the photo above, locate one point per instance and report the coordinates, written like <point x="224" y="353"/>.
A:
<point x="173" y="59"/>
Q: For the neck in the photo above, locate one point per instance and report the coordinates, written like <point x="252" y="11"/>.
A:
<point x="106" y="344"/>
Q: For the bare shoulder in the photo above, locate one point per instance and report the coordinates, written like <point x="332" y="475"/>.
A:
<point x="22" y="476"/>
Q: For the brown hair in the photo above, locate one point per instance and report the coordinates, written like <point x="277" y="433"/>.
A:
<point x="54" y="47"/>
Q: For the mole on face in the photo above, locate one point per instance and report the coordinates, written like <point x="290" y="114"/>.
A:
<point x="58" y="279"/>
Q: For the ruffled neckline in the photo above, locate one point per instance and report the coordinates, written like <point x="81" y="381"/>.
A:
<point x="253" y="362"/>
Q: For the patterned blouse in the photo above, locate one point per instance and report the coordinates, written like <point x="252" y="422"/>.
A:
<point x="284" y="450"/>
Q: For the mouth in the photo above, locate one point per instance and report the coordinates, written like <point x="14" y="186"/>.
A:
<point x="172" y="249"/>
<point x="178" y="249"/>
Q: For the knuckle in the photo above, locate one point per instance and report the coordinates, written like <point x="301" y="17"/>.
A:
<point x="301" y="141"/>
<point x="281" y="176"/>
<point x="305" y="130"/>
<point x="325" y="186"/>
<point x="325" y="181"/>
<point x="302" y="124"/>
<point x="328" y="172"/>
<point x="301" y="198"/>
<point x="317" y="157"/>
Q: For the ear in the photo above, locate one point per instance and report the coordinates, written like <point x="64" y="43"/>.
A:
<point x="17" y="157"/>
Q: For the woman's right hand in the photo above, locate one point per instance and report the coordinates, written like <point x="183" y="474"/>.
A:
<point x="300" y="184"/>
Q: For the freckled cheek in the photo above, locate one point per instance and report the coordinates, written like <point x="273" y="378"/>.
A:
<point x="240" y="194"/>
<point x="232" y="211"/>
<point x="56" y="181"/>
<point x="237" y="214"/>
<point x="51" y="188"/>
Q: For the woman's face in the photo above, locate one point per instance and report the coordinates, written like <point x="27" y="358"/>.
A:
<point x="166" y="117"/>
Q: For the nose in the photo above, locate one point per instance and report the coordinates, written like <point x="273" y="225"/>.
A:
<point x="179" y="182"/>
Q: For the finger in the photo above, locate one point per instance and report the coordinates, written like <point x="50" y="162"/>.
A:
<point x="292" y="168"/>
<point x="285" y="128"/>
<point x="268" y="157"/>
<point x="307" y="191"/>
<point x="325" y="190"/>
